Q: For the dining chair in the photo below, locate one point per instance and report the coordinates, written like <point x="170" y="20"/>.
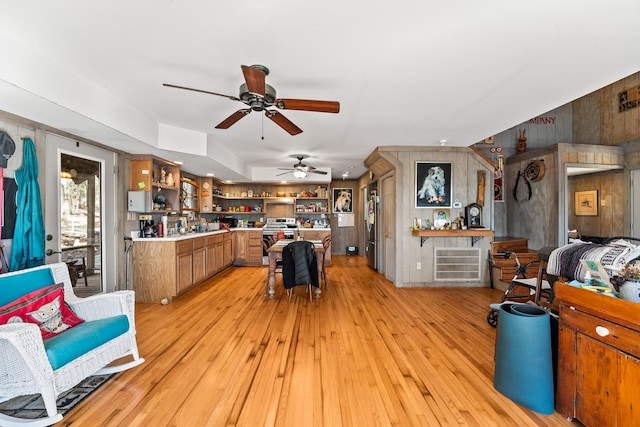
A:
<point x="326" y="244"/>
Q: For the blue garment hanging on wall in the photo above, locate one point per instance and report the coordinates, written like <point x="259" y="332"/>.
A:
<point x="28" y="237"/>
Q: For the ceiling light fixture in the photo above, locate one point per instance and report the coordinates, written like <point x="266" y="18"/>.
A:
<point x="299" y="174"/>
<point x="443" y="141"/>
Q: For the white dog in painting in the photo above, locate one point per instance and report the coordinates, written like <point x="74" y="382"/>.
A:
<point x="433" y="187"/>
<point x="343" y="201"/>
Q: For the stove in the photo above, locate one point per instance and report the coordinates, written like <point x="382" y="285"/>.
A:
<point x="274" y="226"/>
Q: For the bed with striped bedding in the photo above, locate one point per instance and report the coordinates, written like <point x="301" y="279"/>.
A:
<point x="613" y="254"/>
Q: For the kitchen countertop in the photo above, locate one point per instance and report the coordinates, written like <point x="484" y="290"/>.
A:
<point x="178" y="237"/>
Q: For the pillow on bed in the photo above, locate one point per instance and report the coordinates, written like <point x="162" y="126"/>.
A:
<point x="44" y="307"/>
<point x="621" y="242"/>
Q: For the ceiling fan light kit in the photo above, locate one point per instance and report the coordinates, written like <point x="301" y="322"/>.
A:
<point x="259" y="96"/>
<point x="300" y="170"/>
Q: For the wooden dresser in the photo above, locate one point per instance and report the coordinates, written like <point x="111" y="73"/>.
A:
<point x="598" y="358"/>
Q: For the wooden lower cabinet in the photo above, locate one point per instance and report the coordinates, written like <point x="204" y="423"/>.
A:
<point x="199" y="260"/>
<point x="315" y="234"/>
<point x="212" y="263"/>
<point x="247" y="247"/>
<point x="184" y="262"/>
<point x="227" y="250"/>
<point x="598" y="358"/>
<point x="219" y="253"/>
<point x="165" y="269"/>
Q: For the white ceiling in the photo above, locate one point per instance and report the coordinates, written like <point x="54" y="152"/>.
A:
<point x="406" y="73"/>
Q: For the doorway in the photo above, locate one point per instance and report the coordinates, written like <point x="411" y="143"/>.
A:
<point x="80" y="185"/>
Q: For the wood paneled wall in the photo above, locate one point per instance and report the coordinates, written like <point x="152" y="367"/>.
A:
<point x="610" y="218"/>
<point x="341" y="237"/>
<point x="464" y="167"/>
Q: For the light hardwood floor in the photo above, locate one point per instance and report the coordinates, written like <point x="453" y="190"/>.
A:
<point x="365" y="354"/>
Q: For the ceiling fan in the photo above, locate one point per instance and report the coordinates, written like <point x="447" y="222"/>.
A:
<point x="259" y="96"/>
<point x="300" y="170"/>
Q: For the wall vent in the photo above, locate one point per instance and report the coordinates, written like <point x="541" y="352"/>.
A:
<point x="459" y="264"/>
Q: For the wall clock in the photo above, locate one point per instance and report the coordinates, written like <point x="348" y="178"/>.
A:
<point x="473" y="213"/>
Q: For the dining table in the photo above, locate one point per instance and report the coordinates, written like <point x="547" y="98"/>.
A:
<point x="275" y="253"/>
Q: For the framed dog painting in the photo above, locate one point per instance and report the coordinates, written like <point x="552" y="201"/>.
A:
<point x="433" y="185"/>
<point x="342" y="200"/>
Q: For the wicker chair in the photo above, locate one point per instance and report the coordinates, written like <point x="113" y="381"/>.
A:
<point x="25" y="368"/>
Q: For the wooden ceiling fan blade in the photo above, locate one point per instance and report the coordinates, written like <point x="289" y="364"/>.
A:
<point x="233" y="98"/>
<point x="284" y="173"/>
<point x="255" y="79"/>
<point x="226" y="123"/>
<point x="318" y="172"/>
<point x="308" y="105"/>
<point x="283" y="122"/>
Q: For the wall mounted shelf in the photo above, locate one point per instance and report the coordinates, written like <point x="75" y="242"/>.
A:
<point x="476" y="234"/>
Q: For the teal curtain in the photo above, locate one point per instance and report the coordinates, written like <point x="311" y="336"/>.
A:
<point x="28" y="237"/>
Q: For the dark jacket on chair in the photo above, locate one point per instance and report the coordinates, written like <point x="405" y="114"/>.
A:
<point x="299" y="265"/>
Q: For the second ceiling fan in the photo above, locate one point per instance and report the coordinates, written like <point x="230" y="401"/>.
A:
<point x="259" y="96"/>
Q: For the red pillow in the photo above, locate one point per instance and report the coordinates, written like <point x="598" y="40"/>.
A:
<point x="44" y="307"/>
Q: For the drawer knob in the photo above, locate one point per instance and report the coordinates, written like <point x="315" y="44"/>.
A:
<point x="602" y="331"/>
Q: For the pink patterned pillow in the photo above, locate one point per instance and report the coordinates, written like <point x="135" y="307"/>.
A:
<point x="44" y="307"/>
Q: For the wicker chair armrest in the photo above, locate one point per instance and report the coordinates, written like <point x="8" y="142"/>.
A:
<point x="105" y="305"/>
<point x="25" y="339"/>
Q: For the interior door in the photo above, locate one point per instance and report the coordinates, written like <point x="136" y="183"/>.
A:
<point x="79" y="228"/>
<point x="387" y="227"/>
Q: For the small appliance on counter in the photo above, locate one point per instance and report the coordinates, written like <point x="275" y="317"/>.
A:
<point x="231" y="222"/>
<point x="147" y="229"/>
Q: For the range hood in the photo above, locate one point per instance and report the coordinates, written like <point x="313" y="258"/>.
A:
<point x="279" y="200"/>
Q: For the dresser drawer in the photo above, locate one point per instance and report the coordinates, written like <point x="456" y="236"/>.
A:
<point x="615" y="335"/>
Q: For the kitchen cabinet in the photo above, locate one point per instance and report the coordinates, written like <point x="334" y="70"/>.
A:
<point x="159" y="179"/>
<point x="184" y="263"/>
<point x="212" y="266"/>
<point x="598" y="358"/>
<point x="227" y="250"/>
<point x="199" y="260"/>
<point x="220" y="261"/>
<point x="317" y="234"/>
<point x="247" y="247"/>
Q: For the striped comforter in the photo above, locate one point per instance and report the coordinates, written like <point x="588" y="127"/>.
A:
<point x="565" y="260"/>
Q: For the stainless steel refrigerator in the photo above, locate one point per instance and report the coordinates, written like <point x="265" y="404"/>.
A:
<point x="371" y="225"/>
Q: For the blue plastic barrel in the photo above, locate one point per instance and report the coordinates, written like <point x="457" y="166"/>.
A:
<point x="524" y="367"/>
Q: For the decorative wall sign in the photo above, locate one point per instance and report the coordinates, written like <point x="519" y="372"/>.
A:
<point x="534" y="171"/>
<point x="542" y="120"/>
<point x="497" y="186"/>
<point x="586" y="203"/>
<point x="433" y="185"/>
<point x="629" y="99"/>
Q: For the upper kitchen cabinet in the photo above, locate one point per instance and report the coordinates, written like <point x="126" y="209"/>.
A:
<point x="189" y="194"/>
<point x="159" y="180"/>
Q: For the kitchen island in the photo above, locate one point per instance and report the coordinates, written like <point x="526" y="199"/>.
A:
<point x="165" y="267"/>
